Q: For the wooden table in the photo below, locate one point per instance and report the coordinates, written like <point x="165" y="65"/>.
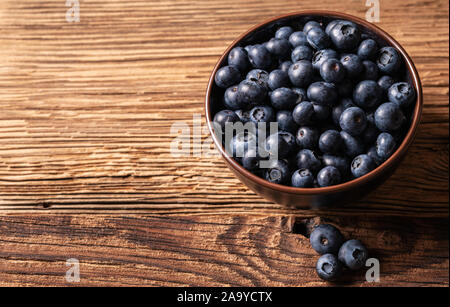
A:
<point x="86" y="170"/>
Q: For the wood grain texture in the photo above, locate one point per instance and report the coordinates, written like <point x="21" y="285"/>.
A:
<point x="87" y="107"/>
<point x="211" y="250"/>
<point x="86" y="112"/>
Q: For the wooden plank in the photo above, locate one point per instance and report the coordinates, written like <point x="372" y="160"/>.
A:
<point x="87" y="107"/>
<point x="216" y="250"/>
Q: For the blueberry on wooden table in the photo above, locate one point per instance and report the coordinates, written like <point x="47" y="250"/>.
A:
<point x="286" y="121"/>
<point x="260" y="76"/>
<point x="262" y="114"/>
<point x="353" y="254"/>
<point x="352" y="145"/>
<point x="326" y="239"/>
<point x="223" y="117"/>
<point x="302" y="52"/>
<point x="328" y="267"/>
<point x="279" y="47"/>
<point x="250" y="93"/>
<point x="341" y="162"/>
<point x="311" y="24"/>
<point x="317" y="38"/>
<point x="260" y="57"/>
<point x="322" y="55"/>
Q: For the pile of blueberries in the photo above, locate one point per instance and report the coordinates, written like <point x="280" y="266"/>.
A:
<point x="328" y="241"/>
<point x="339" y="100"/>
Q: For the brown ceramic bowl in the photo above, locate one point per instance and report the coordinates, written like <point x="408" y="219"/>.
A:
<point x="327" y="196"/>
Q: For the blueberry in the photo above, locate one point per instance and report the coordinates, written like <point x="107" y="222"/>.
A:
<point x="279" y="47"/>
<point x="342" y="163"/>
<point x="389" y="117"/>
<point x="307" y="158"/>
<point x="278" y="172"/>
<point x="353" y="120"/>
<point x="367" y="94"/>
<point x="301" y="73"/>
<point x="283" y="98"/>
<point x="284" y="32"/>
<point x="362" y="165"/>
<point x="328" y="176"/>
<point x="388" y="60"/>
<point x="353" y="65"/>
<point x="311" y="24"/>
<point x="259" y="76"/>
<point x="332" y="70"/>
<point x="264" y="114"/>
<point x="251" y="158"/>
<point x="330" y="141"/>
<point x="285" y="66"/>
<point x="301" y="94"/>
<point x="320" y="56"/>
<point x="250" y="93"/>
<point x="286" y="121"/>
<point x="337" y="110"/>
<point x="301" y="52"/>
<point x="238" y="58"/>
<point x="370" y="70"/>
<point x="280" y="144"/>
<point x="321" y="111"/>
<point x="307" y="137"/>
<point x="242" y="142"/>
<point x="352" y="145"/>
<point x="231" y="98"/>
<point x="368" y="49"/>
<point x="317" y="38"/>
<point x="223" y="117"/>
<point x="330" y="26"/>
<point x="277" y="79"/>
<point x="260" y="57"/>
<point x="244" y="115"/>
<point x="385" y="82"/>
<point x="345" y="36"/>
<point x="227" y="76"/>
<point x="372" y="153"/>
<point x="385" y="145"/>
<point x="402" y="93"/>
<point x="302" y="178"/>
<point x="326" y="239"/>
<point x="323" y="93"/>
<point x="303" y="113"/>
<point x="353" y="254"/>
<point x="297" y="39"/>
<point x="328" y="267"/>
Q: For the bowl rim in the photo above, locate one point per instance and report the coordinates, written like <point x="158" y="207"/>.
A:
<point x="385" y="166"/>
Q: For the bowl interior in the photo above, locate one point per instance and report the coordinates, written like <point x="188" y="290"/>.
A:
<point x="266" y="30"/>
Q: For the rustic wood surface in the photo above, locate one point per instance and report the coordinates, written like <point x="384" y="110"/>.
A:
<point x="86" y="169"/>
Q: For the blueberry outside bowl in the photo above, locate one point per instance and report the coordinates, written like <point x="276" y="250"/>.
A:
<point x="326" y="196"/>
